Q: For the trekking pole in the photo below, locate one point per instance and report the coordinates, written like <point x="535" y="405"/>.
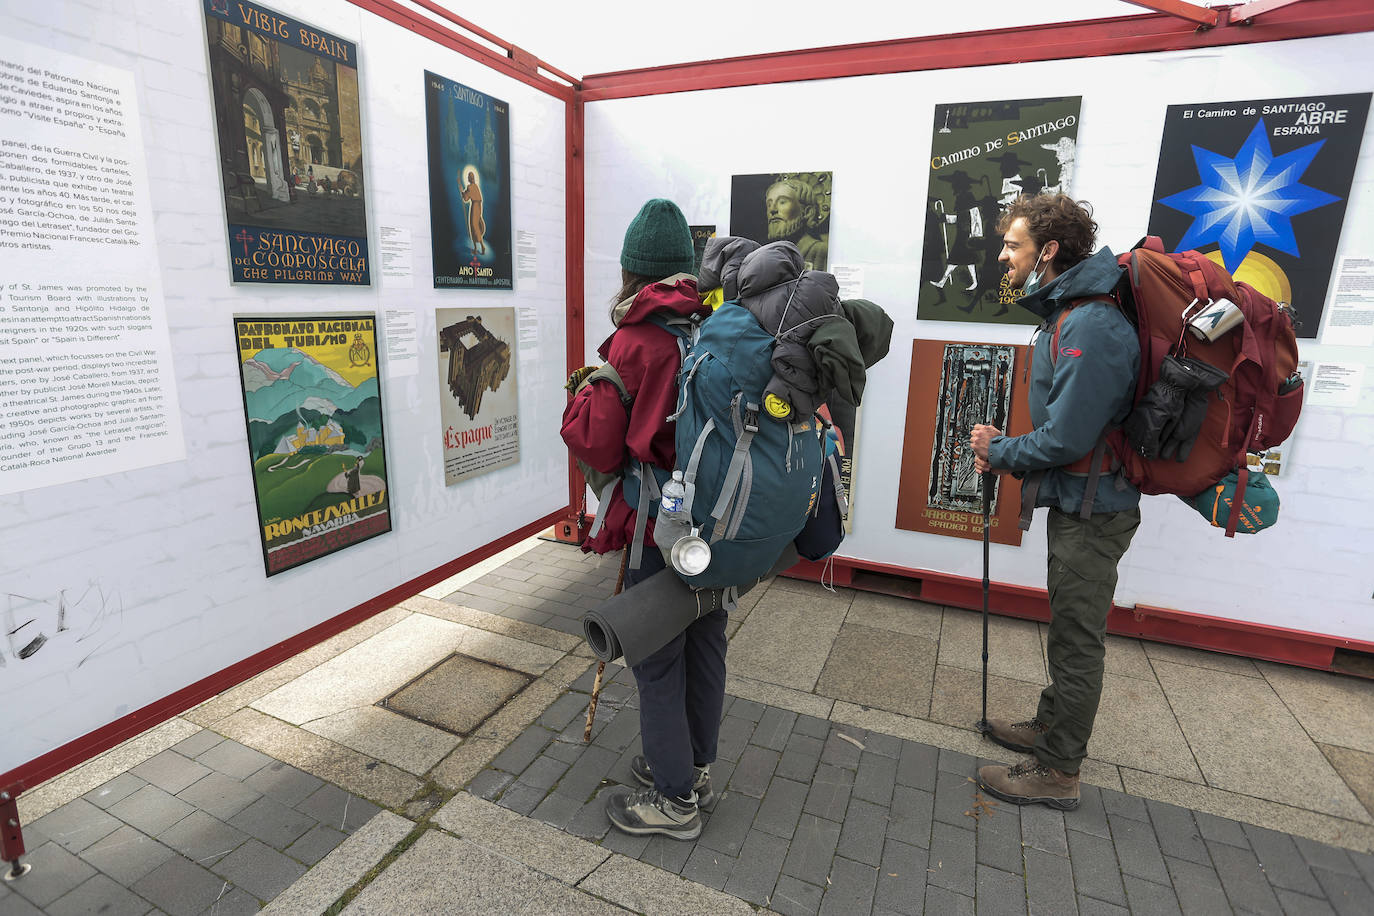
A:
<point x="987" y="538"/>
<point x="601" y="666"/>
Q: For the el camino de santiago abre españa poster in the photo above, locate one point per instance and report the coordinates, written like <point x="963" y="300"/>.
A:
<point x="469" y="186"/>
<point x="290" y="146"/>
<point x="983" y="155"/>
<point x="313" y="402"/>
<point x="478" y="403"/>
<point x="1260" y="188"/>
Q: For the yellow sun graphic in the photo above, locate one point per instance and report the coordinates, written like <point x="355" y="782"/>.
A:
<point x="1262" y="273"/>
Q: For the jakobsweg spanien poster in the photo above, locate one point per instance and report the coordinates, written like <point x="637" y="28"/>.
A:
<point x="1260" y="187"/>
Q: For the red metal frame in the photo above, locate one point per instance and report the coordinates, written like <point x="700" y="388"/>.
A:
<point x="1246" y="12"/>
<point x="1190" y="11"/>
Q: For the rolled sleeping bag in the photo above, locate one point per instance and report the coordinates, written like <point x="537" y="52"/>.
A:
<point x="642" y="619"/>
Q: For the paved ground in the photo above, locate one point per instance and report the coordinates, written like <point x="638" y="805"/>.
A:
<point x="431" y="760"/>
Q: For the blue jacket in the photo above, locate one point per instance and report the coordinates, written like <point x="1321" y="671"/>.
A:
<point x="1076" y="396"/>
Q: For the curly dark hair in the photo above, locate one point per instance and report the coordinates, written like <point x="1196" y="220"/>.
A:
<point x="1055" y="217"/>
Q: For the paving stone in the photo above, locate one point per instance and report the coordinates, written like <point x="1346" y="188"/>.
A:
<point x="259" y="869"/>
<point x="1220" y="830"/>
<point x="55" y="872"/>
<point x="917" y="766"/>
<point x="1000" y="893"/>
<point x="1348" y="894"/>
<point x="1332" y="858"/>
<point x="98" y="894"/>
<point x="760" y="863"/>
<point x="754" y="771"/>
<point x="946" y="902"/>
<point x="203" y="839"/>
<point x="585" y="776"/>
<point x="901" y="879"/>
<point x="839" y="752"/>
<point x="336" y="808"/>
<point x="283" y="782"/>
<point x="1243" y="878"/>
<point x="883" y="745"/>
<point x="799" y="757"/>
<point x="813" y="847"/>
<point x="1197" y="887"/>
<point x="1282" y="860"/>
<point x="707" y="866"/>
<point x="876" y="778"/>
<point x="180" y="887"/>
<point x="544" y="773"/>
<point x="793" y="897"/>
<point x="76" y="825"/>
<point x="861" y="838"/>
<point x="274" y="823"/>
<point x="953" y="797"/>
<point x="126" y="855"/>
<point x="488" y="784"/>
<point x="567" y="708"/>
<point x="1149" y="899"/>
<point x="729" y="824"/>
<point x="318" y="842"/>
<point x="1178" y="834"/>
<point x="1089" y="906"/>
<point x="169" y="771"/>
<point x="999" y="839"/>
<point x="557" y="810"/>
<point x="952" y="858"/>
<point x="913" y="811"/>
<point x="774" y="728"/>
<point x="569" y="752"/>
<point x="1043" y="828"/>
<point x="1138" y="849"/>
<point x="620" y="733"/>
<point x="522" y="798"/>
<point x="955" y="762"/>
<point x="1119" y="803"/>
<point x="734" y="736"/>
<point x="198" y="743"/>
<point x="1365" y="863"/>
<point x="219" y="795"/>
<point x="781" y="807"/>
<point x="812" y="727"/>
<point x="830" y="790"/>
<point x="591" y="823"/>
<point x="851" y="889"/>
<point x="1295" y="904"/>
<point x="1090" y="816"/>
<point x="11" y="904"/>
<point x="106" y="794"/>
<point x="151" y="810"/>
<point x="669" y="855"/>
<point x="523" y="751"/>
<point x="747" y="709"/>
<point x="628" y="845"/>
<point x="1096" y="872"/>
<point x="1049" y="883"/>
<point x="570" y="625"/>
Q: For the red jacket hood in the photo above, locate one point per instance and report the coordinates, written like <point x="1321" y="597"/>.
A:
<point x="676" y="295"/>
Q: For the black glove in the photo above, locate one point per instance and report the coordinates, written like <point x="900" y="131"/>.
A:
<point x="1167" y="420"/>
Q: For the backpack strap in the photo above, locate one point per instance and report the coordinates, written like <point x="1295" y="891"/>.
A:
<point x="648" y="495"/>
<point x="730" y="485"/>
<point x="1097" y="462"/>
<point x="607" y="373"/>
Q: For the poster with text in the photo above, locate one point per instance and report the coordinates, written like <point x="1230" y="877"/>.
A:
<point x="478" y="400"/>
<point x="290" y="147"/>
<point x="953" y="387"/>
<point x="313" y="402"/>
<point x="700" y="236"/>
<point x="983" y="155"/>
<point x="469" y="186"/>
<point x="784" y="206"/>
<point x="1260" y="187"/>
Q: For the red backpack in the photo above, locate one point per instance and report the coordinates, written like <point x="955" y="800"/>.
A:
<point x="1254" y="409"/>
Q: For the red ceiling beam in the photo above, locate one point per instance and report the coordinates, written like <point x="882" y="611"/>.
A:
<point x="1190" y="11"/>
<point x="1248" y="11"/>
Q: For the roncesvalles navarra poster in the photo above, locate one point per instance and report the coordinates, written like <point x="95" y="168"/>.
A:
<point x="983" y="155"/>
<point x="312" y="400"/>
<point x="478" y="400"/>
<point x="1260" y="187"/>
<point x="469" y="186"/>
<point x="290" y="145"/>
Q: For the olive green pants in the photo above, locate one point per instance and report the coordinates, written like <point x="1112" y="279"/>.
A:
<point x="1083" y="554"/>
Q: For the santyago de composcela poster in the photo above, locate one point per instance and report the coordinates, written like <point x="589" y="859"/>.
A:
<point x="312" y="399"/>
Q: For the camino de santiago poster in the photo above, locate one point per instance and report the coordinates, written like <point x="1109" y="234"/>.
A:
<point x="983" y="155"/>
<point x="953" y="387"/>
<point x="1260" y="187"/>
<point x="469" y="186"/>
<point x="313" y="402"/>
<point x="478" y="403"/>
<point x="290" y="146"/>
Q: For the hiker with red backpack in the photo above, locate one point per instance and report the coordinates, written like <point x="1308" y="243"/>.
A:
<point x="1076" y="394"/>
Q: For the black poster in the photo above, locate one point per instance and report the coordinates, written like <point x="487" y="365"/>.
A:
<point x="1260" y="187"/>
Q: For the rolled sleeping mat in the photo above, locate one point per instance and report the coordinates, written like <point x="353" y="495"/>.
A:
<point x="643" y="619"/>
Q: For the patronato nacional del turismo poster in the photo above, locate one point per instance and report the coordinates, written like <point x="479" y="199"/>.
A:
<point x="469" y="186"/>
<point x="313" y="403"/>
<point x="1260" y="187"/>
<point x="478" y="403"/>
<point x="290" y="147"/>
<point x="983" y="155"/>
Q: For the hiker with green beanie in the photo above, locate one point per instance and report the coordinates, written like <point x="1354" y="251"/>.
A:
<point x="610" y="427"/>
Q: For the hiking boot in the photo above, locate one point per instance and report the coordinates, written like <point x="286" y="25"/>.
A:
<point x="1016" y="736"/>
<point x="650" y="811"/>
<point x="1030" y="782"/>
<point x="706" y="799"/>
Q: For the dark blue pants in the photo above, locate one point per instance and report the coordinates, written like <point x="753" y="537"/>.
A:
<point x="681" y="693"/>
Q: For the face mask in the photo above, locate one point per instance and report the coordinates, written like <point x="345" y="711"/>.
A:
<point x="1033" y="281"/>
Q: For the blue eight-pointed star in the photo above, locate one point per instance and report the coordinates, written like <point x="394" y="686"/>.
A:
<point x="1247" y="199"/>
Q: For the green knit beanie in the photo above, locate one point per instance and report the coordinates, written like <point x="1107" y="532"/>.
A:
<point x="658" y="243"/>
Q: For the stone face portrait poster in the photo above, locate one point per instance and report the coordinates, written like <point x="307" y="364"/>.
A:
<point x="469" y="186"/>
<point x="953" y="387"/>
<point x="290" y="147"/>
<point x="313" y="403"/>
<point x="1260" y="187"/>
<point x="478" y="400"/>
<point x="784" y="206"/>
<point x="983" y="155"/>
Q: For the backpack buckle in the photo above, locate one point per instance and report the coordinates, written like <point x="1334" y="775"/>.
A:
<point x="751" y="417"/>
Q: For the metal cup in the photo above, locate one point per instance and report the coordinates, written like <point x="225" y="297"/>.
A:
<point x="691" y="555"/>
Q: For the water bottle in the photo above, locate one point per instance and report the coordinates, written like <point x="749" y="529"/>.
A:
<point x="673" y="521"/>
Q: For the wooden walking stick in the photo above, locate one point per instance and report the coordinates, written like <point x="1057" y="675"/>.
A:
<point x="601" y="666"/>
